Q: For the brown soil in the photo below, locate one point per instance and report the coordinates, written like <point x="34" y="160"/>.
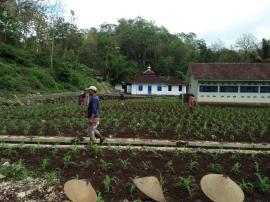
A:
<point x="158" y="161"/>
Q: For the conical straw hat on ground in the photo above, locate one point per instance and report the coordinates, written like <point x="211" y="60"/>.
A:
<point x="150" y="186"/>
<point x="2" y="176"/>
<point x="220" y="188"/>
<point x="80" y="191"/>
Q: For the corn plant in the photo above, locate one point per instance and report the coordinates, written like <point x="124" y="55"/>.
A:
<point x="88" y="163"/>
<point x="100" y="198"/>
<point x="161" y="180"/>
<point x="246" y="186"/>
<point x="236" y="168"/>
<point x="215" y="167"/>
<point x="104" y="165"/>
<point x="96" y="149"/>
<point x="108" y="182"/>
<point x="45" y="163"/>
<point x="67" y="160"/>
<point x="147" y="165"/>
<point x="170" y="166"/>
<point x="263" y="183"/>
<point x="124" y="163"/>
<point x="192" y="165"/>
<point x="51" y="178"/>
<point x="187" y="183"/>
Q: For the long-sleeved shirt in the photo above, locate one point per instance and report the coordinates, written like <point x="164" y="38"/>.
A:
<point x="93" y="107"/>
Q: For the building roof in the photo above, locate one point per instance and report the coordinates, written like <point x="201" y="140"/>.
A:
<point x="231" y="71"/>
<point x="150" y="77"/>
<point x="172" y="80"/>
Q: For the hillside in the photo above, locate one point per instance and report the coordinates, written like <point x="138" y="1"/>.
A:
<point x="23" y="72"/>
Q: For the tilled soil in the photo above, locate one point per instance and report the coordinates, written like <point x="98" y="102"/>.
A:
<point x="95" y="164"/>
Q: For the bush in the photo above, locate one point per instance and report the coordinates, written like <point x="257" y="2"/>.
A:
<point x="12" y="54"/>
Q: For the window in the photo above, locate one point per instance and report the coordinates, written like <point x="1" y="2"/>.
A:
<point x="254" y="96"/>
<point x="228" y="89"/>
<point x="262" y="97"/>
<point x="159" y="88"/>
<point x="140" y="87"/>
<point x="234" y="96"/>
<point x="242" y="96"/>
<point x="222" y="95"/>
<point x="214" y="96"/>
<point x="249" y="89"/>
<point x="265" y="89"/>
<point x="228" y="96"/>
<point x="169" y="88"/>
<point x="180" y="88"/>
<point x="208" y="89"/>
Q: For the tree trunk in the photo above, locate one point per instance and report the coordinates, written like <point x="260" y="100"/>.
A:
<point x="52" y="50"/>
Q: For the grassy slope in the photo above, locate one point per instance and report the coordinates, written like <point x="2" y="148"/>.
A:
<point x="21" y="73"/>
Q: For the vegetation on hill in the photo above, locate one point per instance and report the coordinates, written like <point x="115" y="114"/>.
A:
<point x="42" y="50"/>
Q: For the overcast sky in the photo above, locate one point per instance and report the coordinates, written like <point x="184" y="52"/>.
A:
<point x="209" y="19"/>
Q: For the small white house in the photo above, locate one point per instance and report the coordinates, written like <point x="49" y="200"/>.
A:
<point x="230" y="82"/>
<point x="148" y="83"/>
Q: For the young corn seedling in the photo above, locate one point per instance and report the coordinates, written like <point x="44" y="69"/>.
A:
<point x="124" y="164"/>
<point x="88" y="163"/>
<point x="215" y="167"/>
<point x="97" y="151"/>
<point x="67" y="160"/>
<point x="192" y="165"/>
<point x="108" y="182"/>
<point x="247" y="186"/>
<point x="236" y="168"/>
<point x="104" y="165"/>
<point x="45" y="163"/>
<point x="161" y="180"/>
<point x="187" y="183"/>
<point x="147" y="165"/>
<point x="9" y="151"/>
<point x="51" y="178"/>
<point x="170" y="166"/>
<point x="264" y="183"/>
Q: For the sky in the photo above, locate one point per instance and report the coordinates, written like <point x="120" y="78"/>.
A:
<point x="211" y="20"/>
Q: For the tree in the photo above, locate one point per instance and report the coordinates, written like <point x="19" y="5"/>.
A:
<point x="246" y="42"/>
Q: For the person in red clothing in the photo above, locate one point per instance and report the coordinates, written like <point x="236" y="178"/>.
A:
<point x="191" y="103"/>
<point x="82" y="99"/>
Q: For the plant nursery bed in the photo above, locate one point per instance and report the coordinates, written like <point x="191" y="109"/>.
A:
<point x="111" y="171"/>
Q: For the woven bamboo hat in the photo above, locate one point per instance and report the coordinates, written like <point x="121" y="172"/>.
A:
<point x="150" y="186"/>
<point x="220" y="188"/>
<point x="80" y="191"/>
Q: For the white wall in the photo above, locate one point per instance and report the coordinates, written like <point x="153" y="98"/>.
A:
<point x="119" y="87"/>
<point x="233" y="97"/>
<point x="164" y="91"/>
<point x="128" y="88"/>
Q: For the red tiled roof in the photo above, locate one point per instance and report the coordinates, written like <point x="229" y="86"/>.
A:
<point x="231" y="71"/>
<point x="150" y="77"/>
<point x="172" y="80"/>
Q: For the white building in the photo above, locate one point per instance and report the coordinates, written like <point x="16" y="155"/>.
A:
<point x="230" y="82"/>
<point x="148" y="83"/>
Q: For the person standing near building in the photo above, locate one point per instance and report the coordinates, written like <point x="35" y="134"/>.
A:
<point x="93" y="115"/>
<point x="122" y="99"/>
<point x="191" y="103"/>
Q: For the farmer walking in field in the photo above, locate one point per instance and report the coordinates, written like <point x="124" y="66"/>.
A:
<point x="191" y="103"/>
<point x="93" y="115"/>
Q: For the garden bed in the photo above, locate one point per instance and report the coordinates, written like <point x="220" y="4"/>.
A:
<point x="111" y="170"/>
<point x="152" y="119"/>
